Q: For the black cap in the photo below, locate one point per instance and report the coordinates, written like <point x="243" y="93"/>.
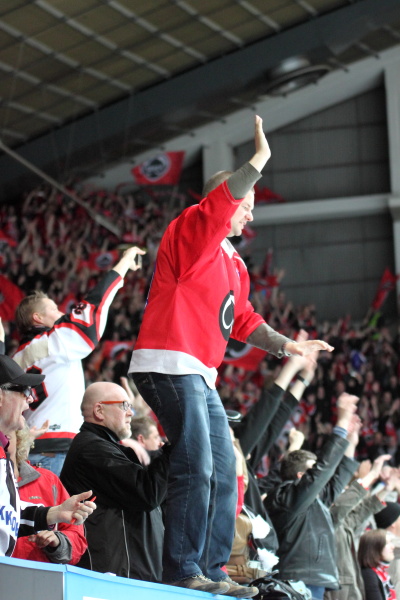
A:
<point x="12" y="373"/>
<point x="388" y="515"/>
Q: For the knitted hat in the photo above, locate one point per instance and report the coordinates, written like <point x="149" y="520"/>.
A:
<point x="388" y="515"/>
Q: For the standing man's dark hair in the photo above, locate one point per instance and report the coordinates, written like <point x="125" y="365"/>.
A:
<point x="296" y="461"/>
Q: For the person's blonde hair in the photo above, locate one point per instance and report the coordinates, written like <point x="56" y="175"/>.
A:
<point x="25" y="310"/>
<point x="23" y="444"/>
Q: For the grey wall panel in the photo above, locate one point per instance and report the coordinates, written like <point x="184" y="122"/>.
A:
<point x="372" y="144"/>
<point x="337" y="181"/>
<point x="318" y="233"/>
<point x="339" y="152"/>
<point x="332" y="301"/>
<point x="335" y="264"/>
<point x="373" y="180"/>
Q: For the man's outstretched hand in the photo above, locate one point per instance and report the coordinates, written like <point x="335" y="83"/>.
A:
<point x="307" y="347"/>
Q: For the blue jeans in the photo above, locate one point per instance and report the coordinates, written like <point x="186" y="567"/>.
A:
<point x="202" y="488"/>
<point x="317" y="592"/>
<point x="54" y="464"/>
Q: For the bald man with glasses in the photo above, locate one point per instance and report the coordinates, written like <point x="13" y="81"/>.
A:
<point x="126" y="537"/>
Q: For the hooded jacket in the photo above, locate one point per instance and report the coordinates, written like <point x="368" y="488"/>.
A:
<point x="41" y="486"/>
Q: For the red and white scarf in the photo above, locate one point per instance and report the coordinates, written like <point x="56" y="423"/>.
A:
<point x="382" y="572"/>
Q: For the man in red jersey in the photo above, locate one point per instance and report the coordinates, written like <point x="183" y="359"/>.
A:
<point x="198" y="299"/>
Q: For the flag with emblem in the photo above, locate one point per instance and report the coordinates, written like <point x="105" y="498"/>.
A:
<point x="102" y="261"/>
<point x="163" y="169"/>
<point x="10" y="296"/>
<point x="243" y="355"/>
<point x="112" y="348"/>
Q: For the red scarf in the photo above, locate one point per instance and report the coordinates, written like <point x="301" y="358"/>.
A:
<point x="382" y="572"/>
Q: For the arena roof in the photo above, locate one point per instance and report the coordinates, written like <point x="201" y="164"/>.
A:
<point x="88" y="83"/>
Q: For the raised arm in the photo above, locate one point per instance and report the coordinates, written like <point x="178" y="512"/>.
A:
<point x="242" y="180"/>
<point x="263" y="152"/>
<point x="128" y="261"/>
<point x="322" y="479"/>
<point x="280" y="413"/>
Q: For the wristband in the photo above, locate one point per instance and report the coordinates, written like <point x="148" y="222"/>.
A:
<point x="303" y="380"/>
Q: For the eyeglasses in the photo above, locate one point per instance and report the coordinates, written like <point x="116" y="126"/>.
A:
<point x="125" y="404"/>
<point x="20" y="389"/>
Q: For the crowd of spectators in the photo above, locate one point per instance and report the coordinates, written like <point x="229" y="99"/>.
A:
<point x="50" y="243"/>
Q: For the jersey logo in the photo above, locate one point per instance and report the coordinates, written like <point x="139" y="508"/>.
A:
<point x="39" y="392"/>
<point x="226" y="315"/>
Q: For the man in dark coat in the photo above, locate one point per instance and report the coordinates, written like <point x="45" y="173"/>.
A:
<point x="126" y="535"/>
<point x="299" y="507"/>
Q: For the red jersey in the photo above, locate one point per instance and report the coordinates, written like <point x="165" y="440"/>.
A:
<point x="198" y="296"/>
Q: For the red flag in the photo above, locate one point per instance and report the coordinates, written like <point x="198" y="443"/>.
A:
<point x="163" y="169"/>
<point x="386" y="285"/>
<point x="248" y="233"/>
<point x="102" y="261"/>
<point x="10" y="296"/>
<point x="112" y="348"/>
<point x="266" y="196"/>
<point x="243" y="355"/>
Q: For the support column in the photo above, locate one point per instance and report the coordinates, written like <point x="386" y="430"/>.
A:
<point x="217" y="156"/>
<point x="394" y="205"/>
<point x="392" y="85"/>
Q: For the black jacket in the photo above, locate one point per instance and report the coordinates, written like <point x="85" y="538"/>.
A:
<point x="373" y="585"/>
<point x="256" y="433"/>
<point x="300" y="513"/>
<point x="125" y="533"/>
